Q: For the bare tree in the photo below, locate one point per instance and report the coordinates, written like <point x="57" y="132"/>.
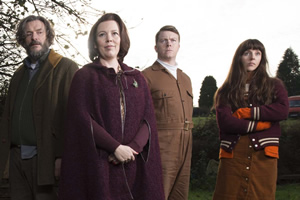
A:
<point x="70" y="19"/>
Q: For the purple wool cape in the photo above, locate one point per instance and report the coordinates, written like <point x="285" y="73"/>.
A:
<point x="94" y="108"/>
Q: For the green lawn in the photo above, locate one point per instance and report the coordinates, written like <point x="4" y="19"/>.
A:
<point x="284" y="192"/>
<point x="288" y="192"/>
<point x="200" y="195"/>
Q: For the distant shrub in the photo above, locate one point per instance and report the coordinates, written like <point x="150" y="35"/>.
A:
<point x="205" y="148"/>
<point x="201" y="111"/>
<point x="289" y="149"/>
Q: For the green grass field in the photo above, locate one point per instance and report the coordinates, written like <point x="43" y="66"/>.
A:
<point x="283" y="192"/>
<point x="200" y="195"/>
<point x="288" y="192"/>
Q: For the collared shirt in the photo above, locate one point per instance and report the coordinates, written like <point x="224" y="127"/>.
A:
<point x="172" y="69"/>
<point x="34" y="67"/>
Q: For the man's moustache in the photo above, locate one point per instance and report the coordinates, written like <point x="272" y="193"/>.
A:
<point x="34" y="43"/>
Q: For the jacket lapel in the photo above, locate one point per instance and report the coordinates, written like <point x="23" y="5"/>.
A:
<point x="15" y="85"/>
<point x="50" y="63"/>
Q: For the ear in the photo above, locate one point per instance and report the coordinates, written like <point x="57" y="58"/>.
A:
<point x="155" y="48"/>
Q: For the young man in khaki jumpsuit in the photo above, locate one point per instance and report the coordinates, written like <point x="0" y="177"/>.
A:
<point x="172" y="96"/>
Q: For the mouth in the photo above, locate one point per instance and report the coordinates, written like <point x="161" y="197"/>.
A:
<point x="35" y="45"/>
<point x="110" y="46"/>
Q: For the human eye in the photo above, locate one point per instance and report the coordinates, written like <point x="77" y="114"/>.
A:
<point x="246" y="53"/>
<point x="173" y="40"/>
<point x="164" y="41"/>
<point x="258" y="53"/>
<point x="28" y="34"/>
<point x="115" y="33"/>
<point x="102" y="34"/>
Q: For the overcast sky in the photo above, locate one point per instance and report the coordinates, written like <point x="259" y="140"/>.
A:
<point x="210" y="30"/>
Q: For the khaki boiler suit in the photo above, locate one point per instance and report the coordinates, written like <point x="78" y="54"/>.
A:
<point x="173" y="104"/>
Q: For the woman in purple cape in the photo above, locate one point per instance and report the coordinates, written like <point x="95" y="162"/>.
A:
<point x="111" y="148"/>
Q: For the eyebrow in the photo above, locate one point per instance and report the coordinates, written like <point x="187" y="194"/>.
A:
<point x="167" y="38"/>
<point x="40" y="29"/>
<point x="109" y="31"/>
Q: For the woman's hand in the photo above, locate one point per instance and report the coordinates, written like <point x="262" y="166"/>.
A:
<point x="112" y="159"/>
<point x="125" y="153"/>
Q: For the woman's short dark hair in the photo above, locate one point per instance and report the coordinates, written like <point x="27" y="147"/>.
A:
<point x="21" y="35"/>
<point x="167" y="28"/>
<point x="125" y="42"/>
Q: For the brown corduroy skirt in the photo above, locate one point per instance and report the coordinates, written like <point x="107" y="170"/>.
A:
<point x="249" y="175"/>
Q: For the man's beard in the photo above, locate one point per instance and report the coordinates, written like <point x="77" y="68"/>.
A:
<point x="36" y="55"/>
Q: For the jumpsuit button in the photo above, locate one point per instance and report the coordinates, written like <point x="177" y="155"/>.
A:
<point x="249" y="157"/>
<point x="245" y="190"/>
<point x="250" y="146"/>
<point x="256" y="145"/>
<point x="246" y="179"/>
<point x="248" y="168"/>
<point x="253" y="139"/>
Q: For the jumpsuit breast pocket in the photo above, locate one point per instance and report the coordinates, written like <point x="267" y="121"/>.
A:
<point x="164" y="104"/>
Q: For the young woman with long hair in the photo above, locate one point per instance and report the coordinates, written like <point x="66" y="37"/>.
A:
<point x="249" y="106"/>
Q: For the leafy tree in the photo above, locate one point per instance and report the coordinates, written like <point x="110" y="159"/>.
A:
<point x="207" y="91"/>
<point x="289" y="72"/>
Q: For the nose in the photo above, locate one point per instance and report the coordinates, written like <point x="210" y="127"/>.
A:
<point x="168" y="42"/>
<point x="109" y="38"/>
<point x="34" y="36"/>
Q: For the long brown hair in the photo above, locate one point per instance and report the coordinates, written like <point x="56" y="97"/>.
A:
<point x="125" y="42"/>
<point x="261" y="84"/>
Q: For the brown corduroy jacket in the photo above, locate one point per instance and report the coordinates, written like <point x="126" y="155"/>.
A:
<point x="49" y="105"/>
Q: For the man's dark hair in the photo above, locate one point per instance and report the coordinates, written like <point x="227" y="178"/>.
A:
<point x="21" y="35"/>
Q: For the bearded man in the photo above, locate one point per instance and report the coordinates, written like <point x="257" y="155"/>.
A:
<point x="31" y="129"/>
